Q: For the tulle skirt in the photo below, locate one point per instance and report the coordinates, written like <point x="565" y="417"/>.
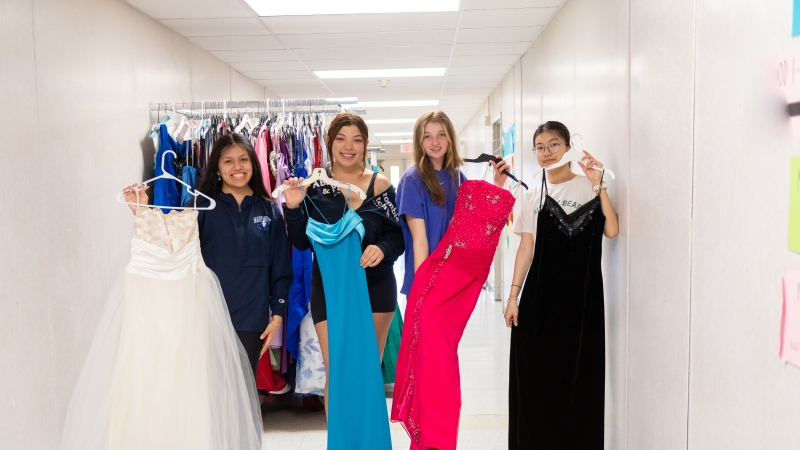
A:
<point x="165" y="371"/>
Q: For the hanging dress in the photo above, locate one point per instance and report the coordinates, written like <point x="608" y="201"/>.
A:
<point x="165" y="370"/>
<point x="392" y="348"/>
<point x="357" y="416"/>
<point x="446" y="287"/>
<point x="557" y="366"/>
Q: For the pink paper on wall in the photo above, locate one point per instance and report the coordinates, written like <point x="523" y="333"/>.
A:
<point x="790" y="318"/>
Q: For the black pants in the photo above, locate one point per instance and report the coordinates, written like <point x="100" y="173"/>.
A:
<point x="251" y="340"/>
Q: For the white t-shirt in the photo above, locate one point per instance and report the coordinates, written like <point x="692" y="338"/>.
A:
<point x="571" y="195"/>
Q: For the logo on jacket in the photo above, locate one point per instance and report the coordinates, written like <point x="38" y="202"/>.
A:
<point x="262" y="222"/>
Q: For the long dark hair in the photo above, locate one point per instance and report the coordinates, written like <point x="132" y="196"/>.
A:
<point x="212" y="185"/>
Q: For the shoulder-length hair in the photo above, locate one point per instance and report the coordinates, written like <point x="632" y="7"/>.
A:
<point x="211" y="184"/>
<point x="452" y="161"/>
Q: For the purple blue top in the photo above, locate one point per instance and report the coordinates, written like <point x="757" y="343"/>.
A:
<point x="414" y="200"/>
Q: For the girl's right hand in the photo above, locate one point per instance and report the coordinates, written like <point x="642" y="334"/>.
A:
<point x="512" y="311"/>
<point x="295" y="194"/>
<point x="131" y="195"/>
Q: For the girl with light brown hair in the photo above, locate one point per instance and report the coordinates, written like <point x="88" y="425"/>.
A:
<point x="426" y="193"/>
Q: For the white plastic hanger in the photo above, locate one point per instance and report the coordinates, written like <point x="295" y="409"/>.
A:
<point x="573" y="156"/>
<point x="321" y="175"/>
<point x="245" y="123"/>
<point x="169" y="176"/>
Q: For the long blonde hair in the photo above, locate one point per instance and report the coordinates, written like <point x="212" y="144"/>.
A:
<point x="452" y="161"/>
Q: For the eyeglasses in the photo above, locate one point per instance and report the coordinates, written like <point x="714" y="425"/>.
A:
<point x="555" y="147"/>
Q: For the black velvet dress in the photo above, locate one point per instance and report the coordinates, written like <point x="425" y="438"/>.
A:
<point x="557" y="373"/>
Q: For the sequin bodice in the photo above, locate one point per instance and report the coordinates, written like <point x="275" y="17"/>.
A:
<point x="165" y="246"/>
<point x="481" y="212"/>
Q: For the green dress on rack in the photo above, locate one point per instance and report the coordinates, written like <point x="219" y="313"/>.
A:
<point x="392" y="348"/>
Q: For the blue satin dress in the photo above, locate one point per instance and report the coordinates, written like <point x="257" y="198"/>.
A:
<point x="357" y="412"/>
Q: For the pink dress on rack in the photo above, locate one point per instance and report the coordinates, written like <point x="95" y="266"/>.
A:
<point x="427" y="392"/>
<point x="262" y="152"/>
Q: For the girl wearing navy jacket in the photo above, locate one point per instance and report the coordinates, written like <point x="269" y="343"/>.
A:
<point x="243" y="241"/>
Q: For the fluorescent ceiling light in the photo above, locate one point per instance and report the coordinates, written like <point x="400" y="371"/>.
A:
<point x="398" y="103"/>
<point x="382" y="73"/>
<point x="314" y="7"/>
<point x="401" y="133"/>
<point x="389" y="121"/>
<point x="396" y="141"/>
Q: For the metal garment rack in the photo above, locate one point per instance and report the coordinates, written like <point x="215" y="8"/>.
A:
<point x="239" y="106"/>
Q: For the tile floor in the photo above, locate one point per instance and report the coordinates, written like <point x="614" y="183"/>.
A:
<point x="483" y="356"/>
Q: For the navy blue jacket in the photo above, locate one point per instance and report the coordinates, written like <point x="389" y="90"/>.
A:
<point x="247" y="248"/>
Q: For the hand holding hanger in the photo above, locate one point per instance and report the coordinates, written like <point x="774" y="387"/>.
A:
<point x="136" y="194"/>
<point x="587" y="164"/>
<point x="575" y="156"/>
<point x="484" y="157"/>
<point x="128" y="193"/>
<point x="293" y="194"/>
<point x="294" y="198"/>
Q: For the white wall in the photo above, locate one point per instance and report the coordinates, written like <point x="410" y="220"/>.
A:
<point x="77" y="78"/>
<point x="679" y="98"/>
<point x="740" y="394"/>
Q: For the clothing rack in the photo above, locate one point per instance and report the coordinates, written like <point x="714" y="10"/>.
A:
<point x="191" y="108"/>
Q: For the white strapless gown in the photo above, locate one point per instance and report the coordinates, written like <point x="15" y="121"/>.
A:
<point x="165" y="369"/>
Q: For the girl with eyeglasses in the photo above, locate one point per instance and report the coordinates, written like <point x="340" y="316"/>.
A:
<point x="557" y="367"/>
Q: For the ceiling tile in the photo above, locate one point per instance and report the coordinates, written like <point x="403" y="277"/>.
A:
<point x="508" y="4"/>
<point x="481" y="91"/>
<point x="282" y="75"/>
<point x="191" y="9"/>
<point x="484" y="60"/>
<point x="293" y="92"/>
<point x="362" y="23"/>
<point x="471" y="85"/>
<point x="507" y="34"/>
<point x="475" y="77"/>
<point x="270" y="66"/>
<point x="474" y="98"/>
<point x="231" y="56"/>
<point x="479" y="70"/>
<point x="375" y="63"/>
<point x="498" y="18"/>
<point x="293" y="83"/>
<point x="411" y="51"/>
<point x="382" y="95"/>
<point x="217" y="27"/>
<point x="492" y="49"/>
<point x="237" y="43"/>
<point x="433" y="37"/>
<point x="413" y="81"/>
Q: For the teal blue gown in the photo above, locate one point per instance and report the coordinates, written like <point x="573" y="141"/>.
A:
<point x="357" y="415"/>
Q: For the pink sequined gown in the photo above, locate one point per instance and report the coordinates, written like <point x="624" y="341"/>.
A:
<point x="427" y="392"/>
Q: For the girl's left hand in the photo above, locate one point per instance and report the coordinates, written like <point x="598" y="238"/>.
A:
<point x="269" y="334"/>
<point x="499" y="177"/>
<point x="372" y="256"/>
<point x="586" y="163"/>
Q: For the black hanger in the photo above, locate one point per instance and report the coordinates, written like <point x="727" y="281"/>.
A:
<point x="484" y="157"/>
